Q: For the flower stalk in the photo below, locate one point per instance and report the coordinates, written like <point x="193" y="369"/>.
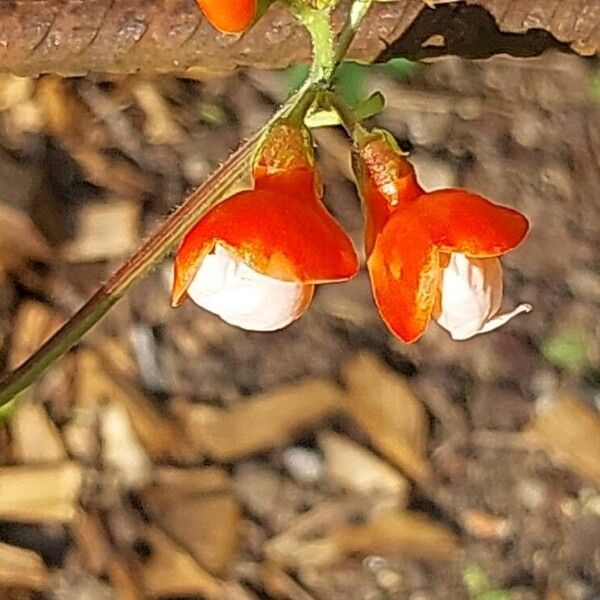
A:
<point x="325" y="59"/>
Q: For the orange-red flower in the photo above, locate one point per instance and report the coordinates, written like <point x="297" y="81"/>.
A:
<point x="431" y="254"/>
<point x="231" y="16"/>
<point x="254" y="258"/>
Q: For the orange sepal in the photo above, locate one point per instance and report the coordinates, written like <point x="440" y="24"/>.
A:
<point x="229" y="16"/>
<point x="286" y="237"/>
<point x="404" y="268"/>
<point x="459" y="221"/>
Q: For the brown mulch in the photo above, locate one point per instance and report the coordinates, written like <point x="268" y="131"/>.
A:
<point x="171" y="455"/>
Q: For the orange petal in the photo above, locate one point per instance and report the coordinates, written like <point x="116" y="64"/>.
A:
<point x="405" y="268"/>
<point x="229" y="16"/>
<point x="286" y="237"/>
<point x="463" y="222"/>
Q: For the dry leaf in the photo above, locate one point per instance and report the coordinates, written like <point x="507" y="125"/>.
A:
<point x="206" y="525"/>
<point x="261" y="422"/>
<point x="22" y="568"/>
<point x="569" y="431"/>
<point x="353" y="467"/>
<point x="171" y="571"/>
<point x="407" y="533"/>
<point x="381" y="402"/>
<point x="40" y="494"/>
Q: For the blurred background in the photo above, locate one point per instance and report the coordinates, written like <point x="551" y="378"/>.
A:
<point x="173" y="456"/>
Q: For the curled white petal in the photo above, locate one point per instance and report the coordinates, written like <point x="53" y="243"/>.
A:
<point x="241" y="296"/>
<point x="470" y="297"/>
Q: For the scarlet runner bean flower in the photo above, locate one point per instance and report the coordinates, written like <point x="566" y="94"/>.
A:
<point x="255" y="258"/>
<point x="431" y="254"/>
<point x="232" y="16"/>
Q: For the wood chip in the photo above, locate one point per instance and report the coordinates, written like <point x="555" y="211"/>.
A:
<point x="40" y="494"/>
<point x="124" y="580"/>
<point x="34" y="324"/>
<point x="304" y="543"/>
<point x="278" y="584"/>
<point x="485" y="526"/>
<point x="569" y="431"/>
<point x="193" y="481"/>
<point x="105" y="231"/>
<point x="22" y="568"/>
<point x="20" y="239"/>
<point x="160" y="127"/>
<point x="171" y="571"/>
<point x="207" y="525"/>
<point x="411" y="534"/>
<point x="356" y="469"/>
<point x="35" y="438"/>
<point x="261" y="422"/>
<point x="122" y="452"/>
<point x="93" y="543"/>
<point x="326" y="534"/>
<point x="382" y="404"/>
<point x="161" y="436"/>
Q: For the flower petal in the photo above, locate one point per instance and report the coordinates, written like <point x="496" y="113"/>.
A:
<point x="285" y="237"/>
<point x="229" y="288"/>
<point x="463" y="222"/>
<point x="405" y="268"/>
<point x="471" y="293"/>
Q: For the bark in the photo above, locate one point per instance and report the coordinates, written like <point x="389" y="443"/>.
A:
<point x="75" y="37"/>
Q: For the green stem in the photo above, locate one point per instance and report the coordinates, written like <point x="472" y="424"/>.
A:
<point x="317" y="21"/>
<point x="358" y="11"/>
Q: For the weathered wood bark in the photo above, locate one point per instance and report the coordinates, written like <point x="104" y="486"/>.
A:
<point x="73" y="37"/>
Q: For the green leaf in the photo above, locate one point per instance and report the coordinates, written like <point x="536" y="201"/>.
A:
<point x="370" y="107"/>
<point x="295" y="76"/>
<point x="349" y="82"/>
<point x="399" y="68"/>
